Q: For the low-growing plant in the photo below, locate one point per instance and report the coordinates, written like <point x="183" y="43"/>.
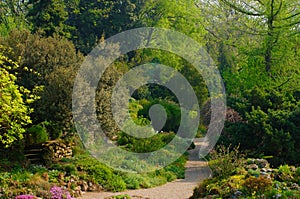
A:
<point x="26" y="197"/>
<point x="133" y="180"/>
<point x="59" y="193"/>
<point x="258" y="185"/>
<point x="123" y="196"/>
<point x="225" y="161"/>
<point x="115" y="184"/>
<point x="285" y="173"/>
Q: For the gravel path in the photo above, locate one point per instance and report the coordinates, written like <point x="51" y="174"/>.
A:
<point x="196" y="170"/>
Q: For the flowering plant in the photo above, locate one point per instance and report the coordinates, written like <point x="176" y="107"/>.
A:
<point x="59" y="193"/>
<point x="25" y="197"/>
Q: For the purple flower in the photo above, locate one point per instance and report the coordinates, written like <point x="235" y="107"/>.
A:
<point x="25" y="197"/>
<point x="59" y="193"/>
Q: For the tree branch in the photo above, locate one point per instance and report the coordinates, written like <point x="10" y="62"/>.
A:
<point x="241" y="10"/>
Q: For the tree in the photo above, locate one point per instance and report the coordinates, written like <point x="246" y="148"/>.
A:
<point x="14" y="110"/>
<point x="48" y="17"/>
<point x="243" y="43"/>
<point x="256" y="44"/>
<point x="12" y="16"/>
<point x="93" y="20"/>
<point x="280" y="19"/>
<point x="55" y="62"/>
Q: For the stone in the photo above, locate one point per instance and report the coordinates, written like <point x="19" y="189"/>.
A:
<point x="295" y="186"/>
<point x="262" y="163"/>
<point x="252" y="166"/>
<point x="270" y="170"/>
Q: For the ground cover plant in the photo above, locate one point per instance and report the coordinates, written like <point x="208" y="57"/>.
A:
<point x="247" y="178"/>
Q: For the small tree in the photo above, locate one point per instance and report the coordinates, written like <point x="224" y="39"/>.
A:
<point x="14" y="113"/>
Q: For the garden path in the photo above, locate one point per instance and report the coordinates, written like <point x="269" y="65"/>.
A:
<point x="196" y="170"/>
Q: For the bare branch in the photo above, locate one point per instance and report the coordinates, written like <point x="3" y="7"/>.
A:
<point x="242" y="10"/>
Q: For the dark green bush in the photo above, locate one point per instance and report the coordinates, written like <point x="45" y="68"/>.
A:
<point x="37" y="134"/>
<point x="270" y="127"/>
<point x="173" y="113"/>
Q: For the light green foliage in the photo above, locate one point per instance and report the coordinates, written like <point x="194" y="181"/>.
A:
<point x="14" y="112"/>
<point x="181" y="15"/>
<point x="12" y="16"/>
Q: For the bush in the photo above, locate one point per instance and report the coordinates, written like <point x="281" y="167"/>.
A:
<point x="225" y="161"/>
<point x="284" y="173"/>
<point x="115" y="184"/>
<point x="133" y="181"/>
<point x="258" y="185"/>
<point x="36" y="134"/>
<point x="271" y="122"/>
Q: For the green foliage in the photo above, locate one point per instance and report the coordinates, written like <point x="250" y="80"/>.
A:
<point x="133" y="181"/>
<point x="177" y="168"/>
<point x="285" y="173"/>
<point x="36" y="134"/>
<point x="101" y="18"/>
<point x="51" y="62"/>
<point x="271" y="125"/>
<point x="173" y="113"/>
<point x="48" y="17"/>
<point x="140" y="145"/>
<point x="123" y="196"/>
<point x="115" y="184"/>
<point x="169" y="14"/>
<point x="257" y="185"/>
<point x="14" y="112"/>
<point x="225" y="161"/>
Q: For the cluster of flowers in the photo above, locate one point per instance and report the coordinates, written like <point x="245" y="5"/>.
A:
<point x="56" y="193"/>
<point x="25" y="197"/>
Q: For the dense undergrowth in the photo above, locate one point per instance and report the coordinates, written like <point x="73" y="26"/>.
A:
<point x="80" y="173"/>
<point x="235" y="176"/>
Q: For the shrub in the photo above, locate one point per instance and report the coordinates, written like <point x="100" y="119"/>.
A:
<point x="37" y="134"/>
<point x="225" y="162"/>
<point x="257" y="185"/>
<point x="59" y="193"/>
<point x="284" y="173"/>
<point x="115" y="184"/>
<point x="133" y="181"/>
<point x="100" y="173"/>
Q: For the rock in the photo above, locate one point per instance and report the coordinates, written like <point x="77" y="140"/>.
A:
<point x="238" y="193"/>
<point x="262" y="163"/>
<point x="252" y="166"/>
<point x="264" y="173"/>
<point x="93" y="187"/>
<point x="84" y="186"/>
<point x="270" y="170"/>
<point x="263" y="170"/>
<point x="293" y="168"/>
<point x="277" y="196"/>
<point x="295" y="186"/>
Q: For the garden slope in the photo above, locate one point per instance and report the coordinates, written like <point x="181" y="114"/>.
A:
<point x="196" y="170"/>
